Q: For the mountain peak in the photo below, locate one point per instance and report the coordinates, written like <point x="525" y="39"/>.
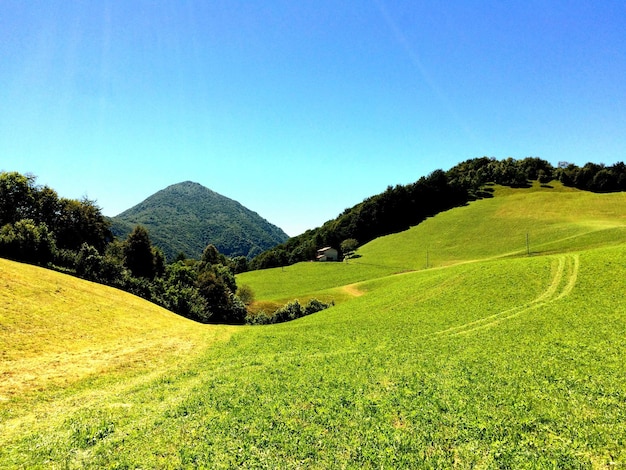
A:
<point x="186" y="217"/>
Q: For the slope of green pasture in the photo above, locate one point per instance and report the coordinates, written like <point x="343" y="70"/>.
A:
<point x="305" y="280"/>
<point x="509" y="363"/>
<point x="554" y="219"/>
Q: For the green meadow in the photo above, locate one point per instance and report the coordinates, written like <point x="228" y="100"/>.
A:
<point x="454" y="344"/>
<point x="552" y="219"/>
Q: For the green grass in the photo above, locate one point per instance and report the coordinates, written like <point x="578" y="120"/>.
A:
<point x="56" y="329"/>
<point x="508" y="362"/>
<point x="308" y="280"/>
<point x="555" y="218"/>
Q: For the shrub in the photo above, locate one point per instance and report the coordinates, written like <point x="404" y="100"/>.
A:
<point x="315" y="306"/>
<point x="260" y="318"/>
<point x="290" y="311"/>
<point x="245" y="294"/>
<point x="65" y="258"/>
<point x="88" y="263"/>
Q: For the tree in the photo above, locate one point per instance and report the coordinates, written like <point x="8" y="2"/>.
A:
<point x="240" y="264"/>
<point x="16" y="197"/>
<point x="348" y="247"/>
<point x="216" y="294"/>
<point x="26" y="241"/>
<point x="604" y="181"/>
<point x="88" y="263"/>
<point x="47" y="207"/>
<point x="181" y="275"/>
<point x="543" y="177"/>
<point x="245" y="294"/>
<point x="210" y="255"/>
<point x="158" y="261"/>
<point x="106" y="269"/>
<point x="138" y="254"/>
<point x="81" y="222"/>
<point x="534" y="167"/>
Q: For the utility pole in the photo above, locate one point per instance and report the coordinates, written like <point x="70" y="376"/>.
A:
<point x="527" y="245"/>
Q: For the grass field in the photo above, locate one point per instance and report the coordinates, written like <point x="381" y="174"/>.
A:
<point x="556" y="219"/>
<point x="499" y="361"/>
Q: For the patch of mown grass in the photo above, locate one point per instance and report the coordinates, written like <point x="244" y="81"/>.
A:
<point x="505" y="364"/>
<point x="43" y="312"/>
<point x="305" y="280"/>
<point x="66" y="344"/>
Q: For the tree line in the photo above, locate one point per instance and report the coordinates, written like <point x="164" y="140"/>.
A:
<point x="37" y="226"/>
<point x="402" y="206"/>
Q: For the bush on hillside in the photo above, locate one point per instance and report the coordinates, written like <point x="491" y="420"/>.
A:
<point x="348" y="247"/>
<point x="93" y="266"/>
<point x="291" y="311"/>
<point x="245" y="294"/>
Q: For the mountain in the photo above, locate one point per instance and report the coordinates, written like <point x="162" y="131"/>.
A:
<point x="186" y="217"/>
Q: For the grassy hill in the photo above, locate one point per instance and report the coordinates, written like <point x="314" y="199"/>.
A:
<point x="490" y="358"/>
<point x="58" y="330"/>
<point x="555" y="218"/>
<point x="186" y="217"/>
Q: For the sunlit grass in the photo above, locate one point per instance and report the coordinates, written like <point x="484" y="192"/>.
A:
<point x="551" y="218"/>
<point x="57" y="330"/>
<point x="309" y="279"/>
<point x="505" y="363"/>
<point x="486" y="359"/>
<point x="539" y="220"/>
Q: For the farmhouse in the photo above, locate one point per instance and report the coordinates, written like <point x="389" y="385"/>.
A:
<point x="327" y="254"/>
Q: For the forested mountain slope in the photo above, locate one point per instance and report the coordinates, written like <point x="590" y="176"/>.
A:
<point x="186" y="217"/>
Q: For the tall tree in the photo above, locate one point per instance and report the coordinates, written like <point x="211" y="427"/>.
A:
<point x="16" y="197"/>
<point x="82" y="222"/>
<point x="138" y="254"/>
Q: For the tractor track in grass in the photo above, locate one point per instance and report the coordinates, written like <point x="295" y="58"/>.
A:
<point x="561" y="285"/>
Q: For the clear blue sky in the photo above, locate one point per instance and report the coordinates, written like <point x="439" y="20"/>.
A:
<point x="300" y="109"/>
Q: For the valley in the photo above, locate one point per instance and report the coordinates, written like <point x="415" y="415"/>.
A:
<point x="482" y="357"/>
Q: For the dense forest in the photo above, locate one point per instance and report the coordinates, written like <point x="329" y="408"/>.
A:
<point x="403" y="206"/>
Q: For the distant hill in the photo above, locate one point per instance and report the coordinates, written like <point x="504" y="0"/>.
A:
<point x="186" y="217"/>
<point x="404" y="206"/>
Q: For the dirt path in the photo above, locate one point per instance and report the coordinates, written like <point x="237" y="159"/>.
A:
<point x="353" y="290"/>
